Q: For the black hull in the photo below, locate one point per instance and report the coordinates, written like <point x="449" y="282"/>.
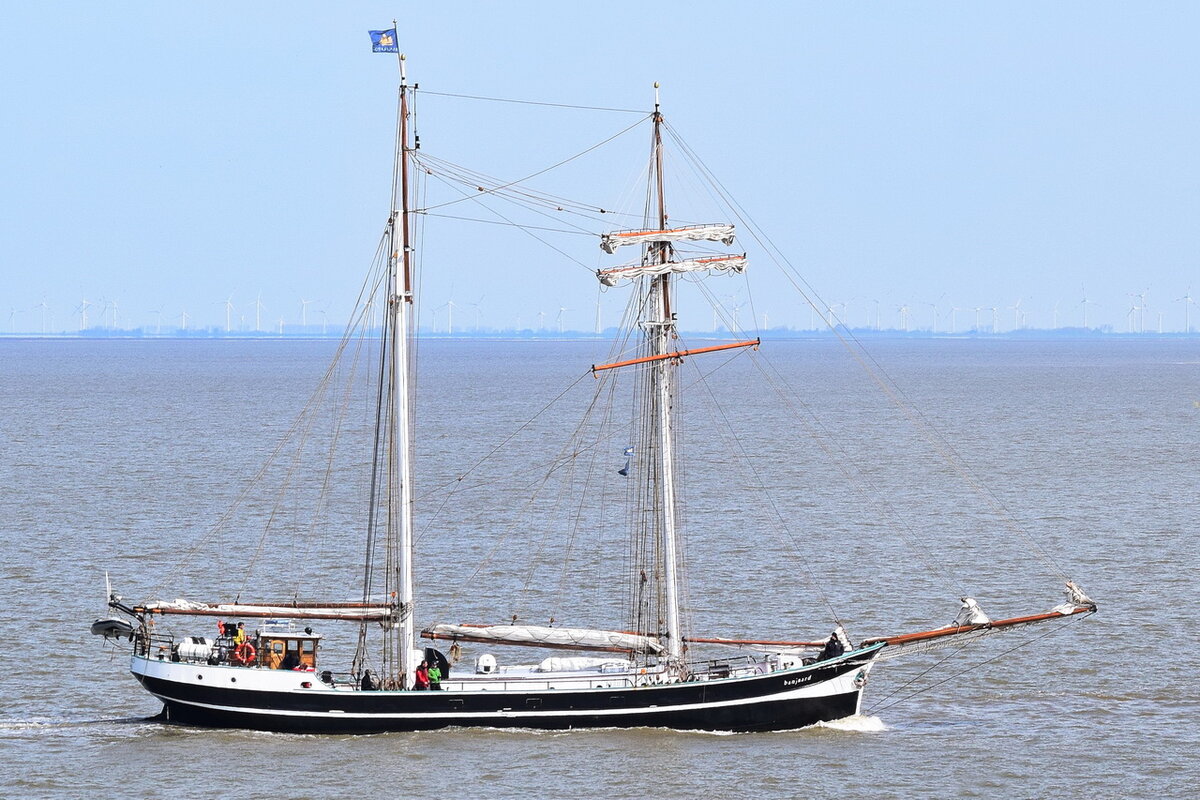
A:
<point x="760" y="703"/>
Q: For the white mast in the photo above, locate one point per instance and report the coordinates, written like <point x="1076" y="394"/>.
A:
<point x="660" y="332"/>
<point x="399" y="441"/>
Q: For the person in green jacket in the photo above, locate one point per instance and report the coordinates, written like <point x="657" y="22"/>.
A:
<point x="435" y="676"/>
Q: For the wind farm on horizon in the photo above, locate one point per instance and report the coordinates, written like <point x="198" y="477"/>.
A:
<point x="1135" y="314"/>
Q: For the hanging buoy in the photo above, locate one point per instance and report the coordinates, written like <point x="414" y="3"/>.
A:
<point x="244" y="654"/>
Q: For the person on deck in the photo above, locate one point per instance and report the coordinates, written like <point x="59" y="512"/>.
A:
<point x="435" y="676"/>
<point x="290" y="661"/>
<point x="239" y="636"/>
<point x="833" y="648"/>
<point x="421" y="677"/>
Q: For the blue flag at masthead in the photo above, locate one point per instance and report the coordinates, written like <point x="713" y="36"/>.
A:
<point x="384" y="41"/>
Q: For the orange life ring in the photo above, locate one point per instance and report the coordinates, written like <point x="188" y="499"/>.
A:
<point x="244" y="654"/>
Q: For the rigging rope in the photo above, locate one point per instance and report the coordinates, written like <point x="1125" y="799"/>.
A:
<point x="554" y="166"/>
<point x="534" y="102"/>
<point x="283" y="442"/>
<point x="1057" y="628"/>
<point x="873" y="369"/>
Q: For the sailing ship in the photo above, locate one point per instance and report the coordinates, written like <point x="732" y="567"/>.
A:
<point x="266" y="668"/>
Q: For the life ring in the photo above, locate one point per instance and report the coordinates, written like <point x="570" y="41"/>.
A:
<point x="244" y="654"/>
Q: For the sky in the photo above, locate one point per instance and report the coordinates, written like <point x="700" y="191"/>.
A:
<point x="189" y="156"/>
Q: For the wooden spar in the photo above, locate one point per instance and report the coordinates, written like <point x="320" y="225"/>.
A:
<point x="660" y="229"/>
<point x="298" y="613"/>
<point x="297" y="604"/>
<point x="763" y="642"/>
<point x="552" y="645"/>
<point x="493" y="625"/>
<point x="921" y="636"/>
<point x="677" y="354"/>
<point x="712" y="261"/>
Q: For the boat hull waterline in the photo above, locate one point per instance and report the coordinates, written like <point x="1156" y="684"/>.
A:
<point x="782" y="700"/>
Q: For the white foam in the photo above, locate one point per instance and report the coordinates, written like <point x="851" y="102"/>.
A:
<point x="857" y="724"/>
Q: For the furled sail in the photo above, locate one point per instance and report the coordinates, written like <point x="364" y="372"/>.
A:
<point x="540" y="636"/>
<point x="609" y="242"/>
<point x="355" y="612"/>
<point x="610" y="277"/>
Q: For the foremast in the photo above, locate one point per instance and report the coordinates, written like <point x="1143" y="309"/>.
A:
<point x="660" y="331"/>
<point x="658" y="614"/>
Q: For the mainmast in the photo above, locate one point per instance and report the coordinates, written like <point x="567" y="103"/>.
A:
<point x="399" y="449"/>
<point x="660" y="330"/>
<point x="654" y="274"/>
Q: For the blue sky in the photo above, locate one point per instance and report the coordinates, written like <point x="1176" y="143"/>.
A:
<point x="171" y="156"/>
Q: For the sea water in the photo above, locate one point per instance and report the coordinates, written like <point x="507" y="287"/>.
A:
<point x="988" y="467"/>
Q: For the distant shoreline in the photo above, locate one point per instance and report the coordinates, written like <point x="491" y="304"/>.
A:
<point x="1066" y="334"/>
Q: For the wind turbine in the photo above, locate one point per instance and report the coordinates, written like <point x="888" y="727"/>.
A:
<point x="561" y="310"/>
<point x="42" y="305"/>
<point x="158" y="321"/>
<point x="281" y="326"/>
<point x="83" y="307"/>
<point x="1085" y="303"/>
<point x="228" y="311"/>
<point x="954" y="318"/>
<point x="541" y="320"/>
<point x="994" y="310"/>
<point x="449" y="305"/>
<point x="304" y="312"/>
<point x="477" y="305"/>
<point x="736" y="308"/>
<point x="903" y="317"/>
<point x="934" y="307"/>
<point x="1187" y="302"/>
<point x="324" y="321"/>
<point x="1134" y="313"/>
<point x="12" y="319"/>
<point x="258" y="307"/>
<point x="1016" y="309"/>
<point x="183" y="318"/>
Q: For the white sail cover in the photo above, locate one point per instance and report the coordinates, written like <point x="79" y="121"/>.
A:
<point x="582" y="638"/>
<point x="610" y="277"/>
<point x="333" y="611"/>
<point x="609" y="242"/>
<point x="969" y="614"/>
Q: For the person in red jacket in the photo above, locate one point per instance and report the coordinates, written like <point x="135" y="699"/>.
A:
<point x="422" y="676"/>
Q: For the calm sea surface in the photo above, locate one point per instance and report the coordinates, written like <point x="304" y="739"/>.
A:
<point x="1049" y="458"/>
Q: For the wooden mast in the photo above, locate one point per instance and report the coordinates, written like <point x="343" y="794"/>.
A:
<point x="399" y="448"/>
<point x="660" y="331"/>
